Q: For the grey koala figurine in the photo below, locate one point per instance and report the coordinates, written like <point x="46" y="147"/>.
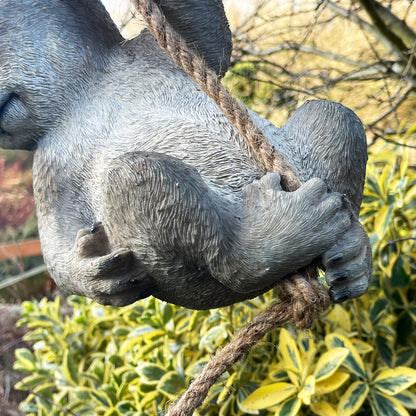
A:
<point x="143" y="187"/>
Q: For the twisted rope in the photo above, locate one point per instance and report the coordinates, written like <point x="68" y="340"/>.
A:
<point x="302" y="298"/>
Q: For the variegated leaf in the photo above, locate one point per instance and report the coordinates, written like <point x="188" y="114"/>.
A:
<point x="353" y="361"/>
<point x="289" y="350"/>
<point x="323" y="409"/>
<point x="270" y="395"/>
<point x="331" y="383"/>
<point x="308" y="390"/>
<point x="353" y="398"/>
<point x="394" y="380"/>
<point x="290" y="407"/>
<point x="340" y="317"/>
<point x="329" y="362"/>
<point x="387" y="406"/>
<point x="407" y="399"/>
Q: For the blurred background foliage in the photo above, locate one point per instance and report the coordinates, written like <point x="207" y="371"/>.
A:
<point x="360" y="357"/>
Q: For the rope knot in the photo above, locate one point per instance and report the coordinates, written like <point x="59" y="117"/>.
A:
<point x="307" y="299"/>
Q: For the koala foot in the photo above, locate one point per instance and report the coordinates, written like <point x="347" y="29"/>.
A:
<point x="108" y="277"/>
<point x="348" y="264"/>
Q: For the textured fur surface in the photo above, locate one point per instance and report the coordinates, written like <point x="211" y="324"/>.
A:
<point x="144" y="188"/>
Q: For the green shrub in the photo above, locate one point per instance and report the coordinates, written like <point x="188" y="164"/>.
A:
<point x="135" y="360"/>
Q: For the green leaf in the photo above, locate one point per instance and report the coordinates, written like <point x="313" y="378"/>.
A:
<point x="31" y="381"/>
<point x="323" y="409"/>
<point x="378" y="309"/>
<point x="353" y="361"/>
<point x="308" y="390"/>
<point x="353" y="398"/>
<point x="290" y="407"/>
<point x="387" y="406"/>
<point x="329" y="362"/>
<point x="291" y="355"/>
<point x="171" y="385"/>
<point x="404" y="328"/>
<point x="400" y="273"/>
<point x="68" y="368"/>
<point x="392" y="381"/>
<point x="384" y="349"/>
<point x="25" y="360"/>
<point x="270" y="395"/>
<point x="332" y="383"/>
<point x="406" y="398"/>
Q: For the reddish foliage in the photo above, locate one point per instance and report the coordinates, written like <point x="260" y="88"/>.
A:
<point x="16" y="194"/>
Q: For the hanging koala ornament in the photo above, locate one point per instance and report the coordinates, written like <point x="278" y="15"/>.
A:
<point x="143" y="187"/>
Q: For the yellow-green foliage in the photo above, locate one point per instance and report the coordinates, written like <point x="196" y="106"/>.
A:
<point x="358" y="359"/>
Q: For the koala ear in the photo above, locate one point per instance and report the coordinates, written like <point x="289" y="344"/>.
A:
<point x="204" y="26"/>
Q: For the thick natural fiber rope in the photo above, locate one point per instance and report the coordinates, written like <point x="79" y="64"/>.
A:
<point x="302" y="298"/>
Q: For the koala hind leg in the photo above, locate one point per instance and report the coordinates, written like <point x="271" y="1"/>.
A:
<point x="328" y="141"/>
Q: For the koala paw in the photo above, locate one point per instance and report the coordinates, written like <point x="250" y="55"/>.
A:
<point x="348" y="264"/>
<point x="108" y="277"/>
<point x="308" y="221"/>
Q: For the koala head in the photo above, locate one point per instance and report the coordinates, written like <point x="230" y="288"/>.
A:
<point x="49" y="52"/>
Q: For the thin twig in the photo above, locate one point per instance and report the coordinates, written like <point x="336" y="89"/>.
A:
<point x="399" y="240"/>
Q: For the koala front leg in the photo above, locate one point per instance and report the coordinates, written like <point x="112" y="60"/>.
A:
<point x="282" y="232"/>
<point x="108" y="277"/>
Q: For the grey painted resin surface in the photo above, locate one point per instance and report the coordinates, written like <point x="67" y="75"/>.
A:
<point x="144" y="188"/>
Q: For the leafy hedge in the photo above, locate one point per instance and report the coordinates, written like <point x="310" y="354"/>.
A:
<point x="135" y="360"/>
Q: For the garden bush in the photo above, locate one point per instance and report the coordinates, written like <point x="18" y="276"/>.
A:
<point x="136" y="360"/>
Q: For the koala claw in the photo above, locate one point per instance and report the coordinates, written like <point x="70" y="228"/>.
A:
<point x="96" y="226"/>
<point x="348" y="265"/>
<point x="114" y="263"/>
<point x="339" y="296"/>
